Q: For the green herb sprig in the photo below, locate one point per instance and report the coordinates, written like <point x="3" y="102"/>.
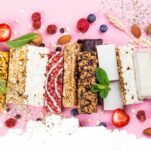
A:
<point x="21" y="41"/>
<point x="103" y="87"/>
<point x="2" y="86"/>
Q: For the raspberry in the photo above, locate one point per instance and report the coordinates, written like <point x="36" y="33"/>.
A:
<point x="36" y="16"/>
<point x="51" y="29"/>
<point x="10" y="123"/>
<point x="36" y="24"/>
<point x="83" y="25"/>
<point x="141" y="115"/>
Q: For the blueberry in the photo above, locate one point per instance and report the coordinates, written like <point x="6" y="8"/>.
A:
<point x="103" y="124"/>
<point x="18" y="116"/>
<point x="103" y="28"/>
<point x="58" y="49"/>
<point x="74" y="112"/>
<point x="91" y="18"/>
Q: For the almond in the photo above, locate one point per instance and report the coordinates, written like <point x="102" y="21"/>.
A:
<point x="135" y="30"/>
<point x="64" y="39"/>
<point x="147" y="131"/>
<point x="148" y="31"/>
<point x="37" y="40"/>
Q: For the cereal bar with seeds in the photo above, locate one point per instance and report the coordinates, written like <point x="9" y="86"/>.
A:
<point x="4" y="58"/>
<point x="87" y="64"/>
<point x="16" y="76"/>
<point x="69" y="82"/>
<point x="127" y="75"/>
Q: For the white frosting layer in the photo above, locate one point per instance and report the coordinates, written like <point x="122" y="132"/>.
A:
<point x="142" y="61"/>
<point x="35" y="78"/>
<point x="126" y="57"/>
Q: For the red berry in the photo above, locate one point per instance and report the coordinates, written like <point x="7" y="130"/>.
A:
<point x="10" y="123"/>
<point x="51" y="29"/>
<point x="36" y="24"/>
<point x="141" y="115"/>
<point x="83" y="25"/>
<point x="36" y="16"/>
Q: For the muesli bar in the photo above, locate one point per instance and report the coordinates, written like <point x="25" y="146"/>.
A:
<point x="69" y="81"/>
<point x="127" y="75"/>
<point x="4" y="58"/>
<point x="16" y="76"/>
<point x="54" y="80"/>
<point x="87" y="64"/>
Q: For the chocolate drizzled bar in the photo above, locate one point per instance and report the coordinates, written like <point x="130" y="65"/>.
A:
<point x="87" y="64"/>
<point x="3" y="75"/>
<point x="69" y="82"/>
<point x="16" y="77"/>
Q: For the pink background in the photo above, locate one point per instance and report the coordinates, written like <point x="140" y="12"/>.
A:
<point x="63" y="13"/>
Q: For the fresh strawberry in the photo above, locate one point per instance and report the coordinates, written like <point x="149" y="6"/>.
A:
<point x="5" y="32"/>
<point x="120" y="118"/>
<point x="10" y="123"/>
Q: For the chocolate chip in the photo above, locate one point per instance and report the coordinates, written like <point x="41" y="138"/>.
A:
<point x="18" y="116"/>
<point x="128" y="68"/>
<point x="42" y="45"/>
<point x="90" y="62"/>
<point x="79" y="41"/>
<point x="38" y="119"/>
<point x="58" y="49"/>
<point x="62" y="30"/>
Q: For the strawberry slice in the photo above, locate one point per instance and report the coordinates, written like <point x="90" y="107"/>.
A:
<point x="120" y="118"/>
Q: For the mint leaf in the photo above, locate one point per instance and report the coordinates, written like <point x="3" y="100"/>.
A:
<point x="102" y="77"/>
<point x="95" y="89"/>
<point x="21" y="41"/>
<point x="2" y="86"/>
<point x="104" y="93"/>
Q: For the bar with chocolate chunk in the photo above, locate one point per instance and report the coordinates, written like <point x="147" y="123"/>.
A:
<point x="4" y="58"/>
<point x="90" y="44"/>
<point x="16" y="76"/>
<point x="69" y="81"/>
<point x="127" y="75"/>
<point x="87" y="64"/>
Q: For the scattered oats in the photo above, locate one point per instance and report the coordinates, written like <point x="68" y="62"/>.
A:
<point x="29" y="26"/>
<point x="133" y="110"/>
<point x="1" y="124"/>
<point x="67" y="29"/>
<point x="15" y="33"/>
<point x="149" y="121"/>
<point x="134" y="116"/>
<point x="97" y="122"/>
<point x="17" y="21"/>
<point x="53" y="45"/>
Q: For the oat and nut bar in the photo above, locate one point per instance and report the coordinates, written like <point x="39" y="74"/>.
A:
<point x="87" y="64"/>
<point x="4" y="58"/>
<point x="69" y="82"/>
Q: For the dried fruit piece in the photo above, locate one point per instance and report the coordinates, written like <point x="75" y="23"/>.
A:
<point x="64" y="39"/>
<point x="135" y="30"/>
<point x="36" y="24"/>
<point x="147" y="131"/>
<point x="141" y="116"/>
<point x="83" y="25"/>
<point x="148" y="31"/>
<point x="51" y="29"/>
<point x="10" y="123"/>
<point x="36" y="16"/>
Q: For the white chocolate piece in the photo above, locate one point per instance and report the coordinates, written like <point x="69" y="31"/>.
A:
<point x="107" y="60"/>
<point x="127" y="75"/>
<point x="142" y="62"/>
<point x="35" y="75"/>
<point x="113" y="100"/>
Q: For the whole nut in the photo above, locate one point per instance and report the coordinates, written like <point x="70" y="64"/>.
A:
<point x="147" y="131"/>
<point x="135" y="30"/>
<point x="148" y="31"/>
<point x="37" y="40"/>
<point x="64" y="39"/>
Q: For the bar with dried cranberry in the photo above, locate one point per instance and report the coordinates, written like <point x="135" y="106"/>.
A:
<point x="53" y="85"/>
<point x="4" y="58"/>
<point x="69" y="81"/>
<point x="87" y="64"/>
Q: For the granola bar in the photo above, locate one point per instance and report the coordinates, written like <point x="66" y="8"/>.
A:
<point x="87" y="64"/>
<point x="4" y="58"/>
<point x="16" y="76"/>
<point x="69" y="82"/>
<point x="127" y="75"/>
